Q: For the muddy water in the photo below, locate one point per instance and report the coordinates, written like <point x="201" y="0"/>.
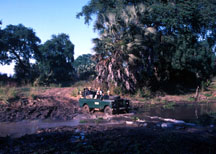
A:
<point x="18" y="129"/>
<point x="188" y="112"/>
<point x="21" y="128"/>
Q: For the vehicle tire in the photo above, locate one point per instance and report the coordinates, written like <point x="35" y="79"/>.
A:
<point x="108" y="110"/>
<point x="85" y="109"/>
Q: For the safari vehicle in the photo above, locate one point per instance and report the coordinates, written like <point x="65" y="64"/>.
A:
<point x="108" y="104"/>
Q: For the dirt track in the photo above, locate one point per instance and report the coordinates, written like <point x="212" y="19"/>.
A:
<point x="55" y="104"/>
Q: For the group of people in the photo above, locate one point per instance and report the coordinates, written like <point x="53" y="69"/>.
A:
<point x="90" y="93"/>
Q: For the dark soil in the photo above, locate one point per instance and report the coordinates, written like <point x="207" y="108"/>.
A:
<point x="54" y="104"/>
<point x="111" y="139"/>
<point x="57" y="104"/>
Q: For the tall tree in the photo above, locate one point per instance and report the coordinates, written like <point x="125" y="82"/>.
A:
<point x="19" y="44"/>
<point x="1" y="44"/>
<point x="85" y="66"/>
<point x="56" y="59"/>
<point x="153" y="41"/>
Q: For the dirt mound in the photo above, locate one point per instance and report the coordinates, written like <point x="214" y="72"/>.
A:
<point x="55" y="104"/>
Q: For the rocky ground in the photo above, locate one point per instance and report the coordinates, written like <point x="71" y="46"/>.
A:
<point x="126" y="137"/>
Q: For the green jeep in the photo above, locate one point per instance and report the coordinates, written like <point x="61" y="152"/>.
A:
<point x="108" y="104"/>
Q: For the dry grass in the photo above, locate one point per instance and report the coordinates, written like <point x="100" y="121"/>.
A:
<point x="8" y="93"/>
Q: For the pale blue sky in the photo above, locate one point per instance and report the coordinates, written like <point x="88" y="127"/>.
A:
<point x="48" y="17"/>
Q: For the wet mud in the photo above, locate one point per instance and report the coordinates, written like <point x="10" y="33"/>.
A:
<point x="112" y="139"/>
<point x="41" y="108"/>
<point x="53" y="123"/>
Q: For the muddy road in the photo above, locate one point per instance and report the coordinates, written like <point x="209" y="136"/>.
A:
<point x="52" y="122"/>
<point x="54" y="104"/>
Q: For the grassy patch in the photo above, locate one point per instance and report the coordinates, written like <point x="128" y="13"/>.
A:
<point x="79" y="86"/>
<point x="212" y="87"/>
<point x="191" y="99"/>
<point x="53" y="85"/>
<point x="208" y="94"/>
<point x="83" y="121"/>
<point x="99" y="120"/>
<point x="135" y="118"/>
<point x="169" y="105"/>
<point x="117" y="91"/>
<point x="142" y="99"/>
<point x="8" y="94"/>
<point x="144" y="92"/>
<point x="75" y="92"/>
<point x="163" y="101"/>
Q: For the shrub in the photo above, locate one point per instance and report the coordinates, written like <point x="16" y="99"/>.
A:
<point x="83" y="121"/>
<point x="75" y="92"/>
<point x="117" y="90"/>
<point x="191" y="99"/>
<point x="169" y="105"/>
<point x="143" y="92"/>
<point x="8" y="93"/>
<point x="140" y="93"/>
<point x="208" y="95"/>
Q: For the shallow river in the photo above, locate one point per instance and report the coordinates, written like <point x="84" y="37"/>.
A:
<point x="188" y="112"/>
<point x="17" y="129"/>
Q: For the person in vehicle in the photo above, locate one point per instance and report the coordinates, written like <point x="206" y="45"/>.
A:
<point x="89" y="93"/>
<point x="107" y="95"/>
<point x="99" y="93"/>
<point x="80" y="94"/>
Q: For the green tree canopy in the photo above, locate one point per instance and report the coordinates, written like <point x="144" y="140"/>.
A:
<point x="55" y="60"/>
<point x="19" y="44"/>
<point x="1" y="43"/>
<point x="84" y="66"/>
<point x="145" y="43"/>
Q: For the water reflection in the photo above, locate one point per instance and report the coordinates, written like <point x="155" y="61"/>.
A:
<point x="188" y="112"/>
<point x="182" y="111"/>
<point x="18" y="129"/>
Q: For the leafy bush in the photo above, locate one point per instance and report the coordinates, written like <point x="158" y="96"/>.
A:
<point x="144" y="92"/>
<point x="169" y="105"/>
<point x="117" y="90"/>
<point x="191" y="99"/>
<point x="83" y="121"/>
<point x="140" y="93"/>
<point x="75" y="92"/>
<point x="208" y="95"/>
<point x="33" y="96"/>
<point x="7" y="94"/>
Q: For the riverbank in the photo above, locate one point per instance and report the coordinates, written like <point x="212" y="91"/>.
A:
<point x="61" y="104"/>
<point x="151" y="127"/>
